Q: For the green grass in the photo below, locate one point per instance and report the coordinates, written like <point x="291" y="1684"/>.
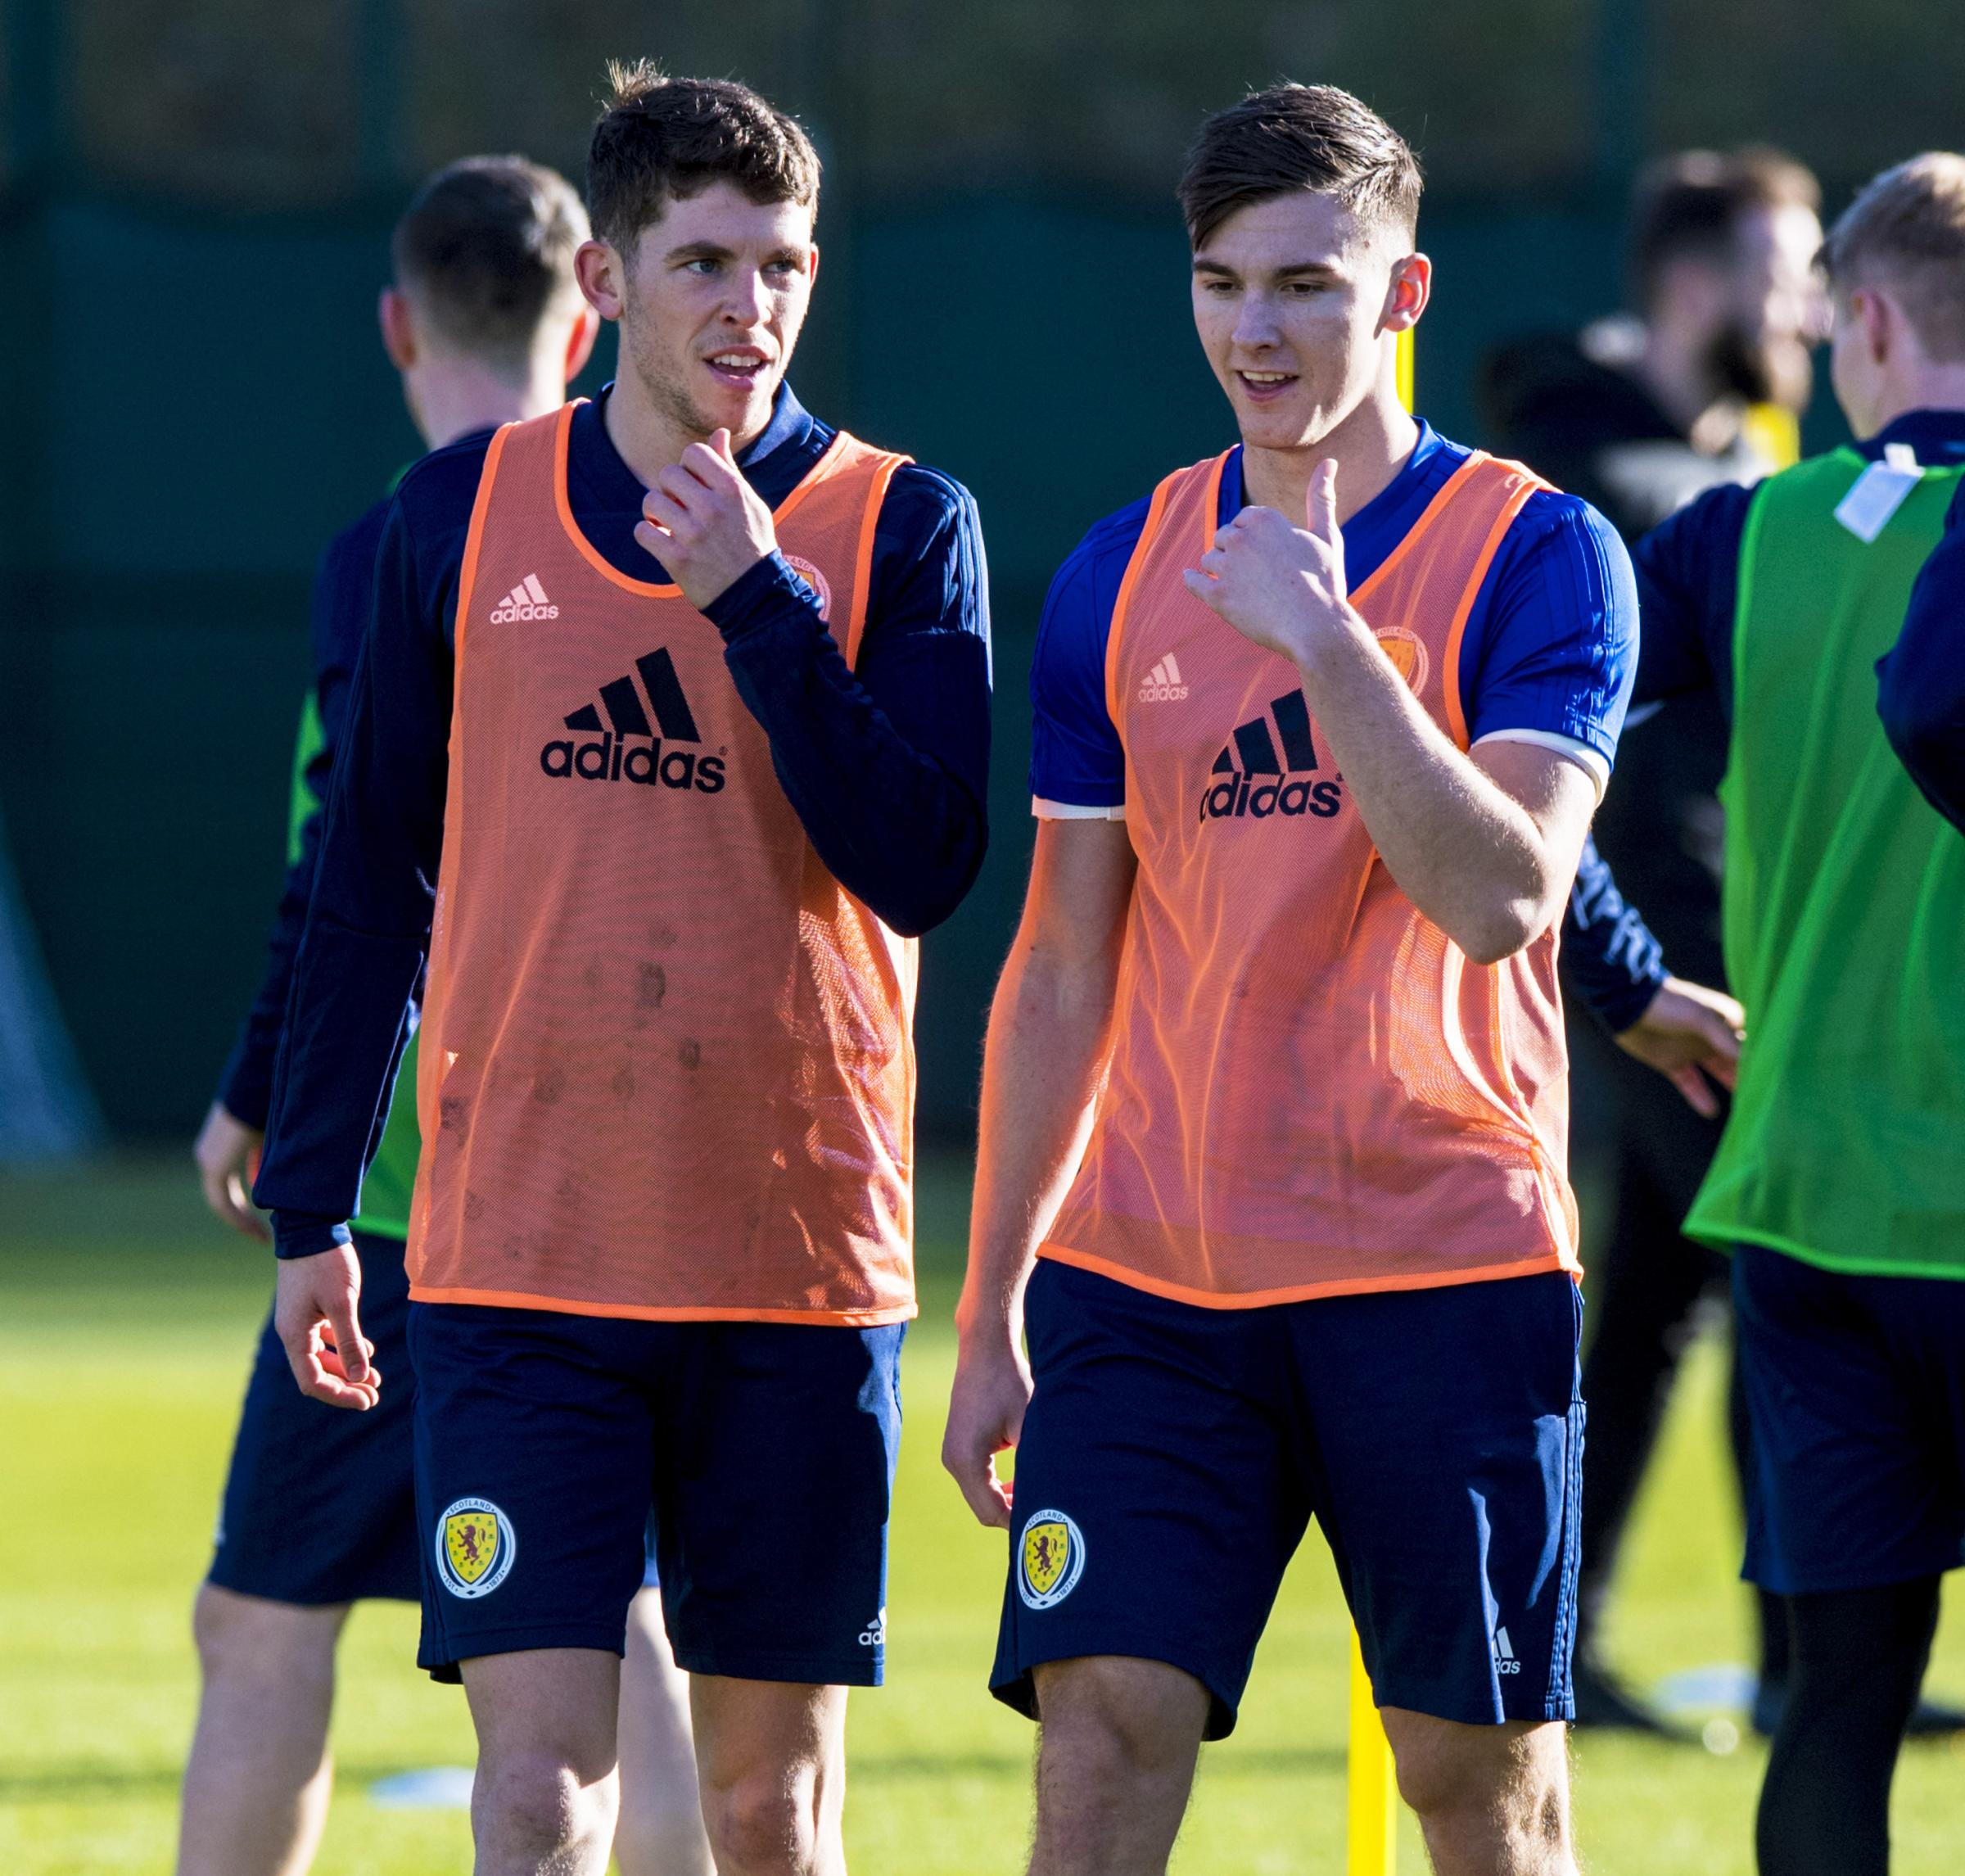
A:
<point x="126" y="1320"/>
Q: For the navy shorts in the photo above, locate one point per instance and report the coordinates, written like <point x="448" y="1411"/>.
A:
<point x="1173" y="1455"/>
<point x="767" y="1449"/>
<point x="320" y="1503"/>
<point x="1856" y="1385"/>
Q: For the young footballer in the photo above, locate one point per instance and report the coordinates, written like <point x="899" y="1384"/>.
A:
<point x="669" y="735"/>
<point x="1836" y="1183"/>
<point x="485" y="323"/>
<point x="1274" y="1093"/>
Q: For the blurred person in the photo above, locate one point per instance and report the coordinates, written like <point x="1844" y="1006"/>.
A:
<point x="1273" y="1111"/>
<point x="674" y="715"/>
<point x="1836" y="1180"/>
<point x="1639" y="417"/>
<point x="486" y="325"/>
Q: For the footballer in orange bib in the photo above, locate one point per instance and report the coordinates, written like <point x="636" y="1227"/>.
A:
<point x="1272" y="1173"/>
<point x="671" y="738"/>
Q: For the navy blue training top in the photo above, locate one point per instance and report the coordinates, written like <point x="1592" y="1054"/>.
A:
<point x="1551" y="642"/>
<point x="1921" y="688"/>
<point x="886" y="763"/>
<point x="343" y="583"/>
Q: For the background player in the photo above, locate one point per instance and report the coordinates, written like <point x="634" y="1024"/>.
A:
<point x="1638" y="416"/>
<point x="661" y="1244"/>
<point x="485" y="323"/>
<point x="1316" y="1257"/>
<point x="1836" y="1182"/>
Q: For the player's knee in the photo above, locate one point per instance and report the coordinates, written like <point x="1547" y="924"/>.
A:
<point x="1515" y="1777"/>
<point x="537" y="1805"/>
<point x="249" y="1638"/>
<point x="1114" y="1721"/>
<point x="763" y="1824"/>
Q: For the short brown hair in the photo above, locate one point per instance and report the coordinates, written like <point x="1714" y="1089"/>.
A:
<point x="1692" y="203"/>
<point x="485" y="249"/>
<point x="1292" y="137"/>
<point x="1906" y="230"/>
<point x="663" y="139"/>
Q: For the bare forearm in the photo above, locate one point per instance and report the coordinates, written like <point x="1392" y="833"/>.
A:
<point x="1047" y="1039"/>
<point x="1466" y="853"/>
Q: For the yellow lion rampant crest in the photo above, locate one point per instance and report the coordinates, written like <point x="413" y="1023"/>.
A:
<point x="475" y="1547"/>
<point x="1051" y="1559"/>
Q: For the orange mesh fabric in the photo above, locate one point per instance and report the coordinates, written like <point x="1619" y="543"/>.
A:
<point x="667" y="1069"/>
<point x="1311" y="1090"/>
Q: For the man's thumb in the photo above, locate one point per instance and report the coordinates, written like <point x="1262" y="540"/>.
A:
<point x="348" y="1342"/>
<point x="1320" y="505"/>
<point x="719" y="442"/>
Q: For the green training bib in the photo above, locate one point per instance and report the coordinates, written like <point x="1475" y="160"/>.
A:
<point x="1844" y="901"/>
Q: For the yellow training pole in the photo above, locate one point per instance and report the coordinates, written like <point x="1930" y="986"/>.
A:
<point x="1372" y="1803"/>
<point x="1373" y="1795"/>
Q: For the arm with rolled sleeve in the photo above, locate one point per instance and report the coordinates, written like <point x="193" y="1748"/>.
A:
<point x="351" y="1012"/>
<point x="887" y="761"/>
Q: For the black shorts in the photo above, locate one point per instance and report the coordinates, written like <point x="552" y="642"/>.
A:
<point x="1856" y="1385"/>
<point x="1173" y="1455"/>
<point x="767" y="1449"/>
<point x="320" y="1503"/>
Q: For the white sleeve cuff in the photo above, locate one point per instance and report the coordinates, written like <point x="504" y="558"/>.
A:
<point x="1073" y="810"/>
<point x="1578" y="751"/>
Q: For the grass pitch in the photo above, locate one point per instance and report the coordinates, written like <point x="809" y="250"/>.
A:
<point x="126" y="1325"/>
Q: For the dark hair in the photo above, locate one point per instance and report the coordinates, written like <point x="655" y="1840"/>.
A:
<point x="1295" y="137"/>
<point x="663" y="139"/>
<point x="1906" y="227"/>
<point x="486" y="250"/>
<point x="1692" y="203"/>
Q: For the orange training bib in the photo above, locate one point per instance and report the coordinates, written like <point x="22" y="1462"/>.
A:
<point x="1311" y="1090"/>
<point x="667" y="1069"/>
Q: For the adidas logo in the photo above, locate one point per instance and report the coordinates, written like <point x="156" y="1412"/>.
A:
<point x="1163" y="683"/>
<point x="1505" y="1660"/>
<point x="873" y="1635"/>
<point x="1250" y="756"/>
<point x="619" y="753"/>
<point x="526" y="600"/>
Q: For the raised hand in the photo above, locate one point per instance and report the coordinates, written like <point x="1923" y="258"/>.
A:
<point x="704" y="522"/>
<point x="1281" y="587"/>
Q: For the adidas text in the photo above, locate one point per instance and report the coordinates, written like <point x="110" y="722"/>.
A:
<point x="1255" y="782"/>
<point x="1505" y="1660"/>
<point x="614" y="758"/>
<point x="1163" y="684"/>
<point x="526" y="600"/>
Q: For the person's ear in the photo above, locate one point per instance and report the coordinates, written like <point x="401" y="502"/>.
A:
<point x="1879" y="321"/>
<point x="580" y="343"/>
<point x="600" y="269"/>
<point x="393" y="315"/>
<point x="1410" y="288"/>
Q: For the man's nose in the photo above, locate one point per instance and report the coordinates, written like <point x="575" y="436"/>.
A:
<point x="1255" y="323"/>
<point x="747" y="302"/>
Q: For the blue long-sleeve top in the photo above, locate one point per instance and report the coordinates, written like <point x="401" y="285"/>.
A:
<point x="1921" y="680"/>
<point x="1688" y="588"/>
<point x="886" y="763"/>
<point x="343" y="583"/>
